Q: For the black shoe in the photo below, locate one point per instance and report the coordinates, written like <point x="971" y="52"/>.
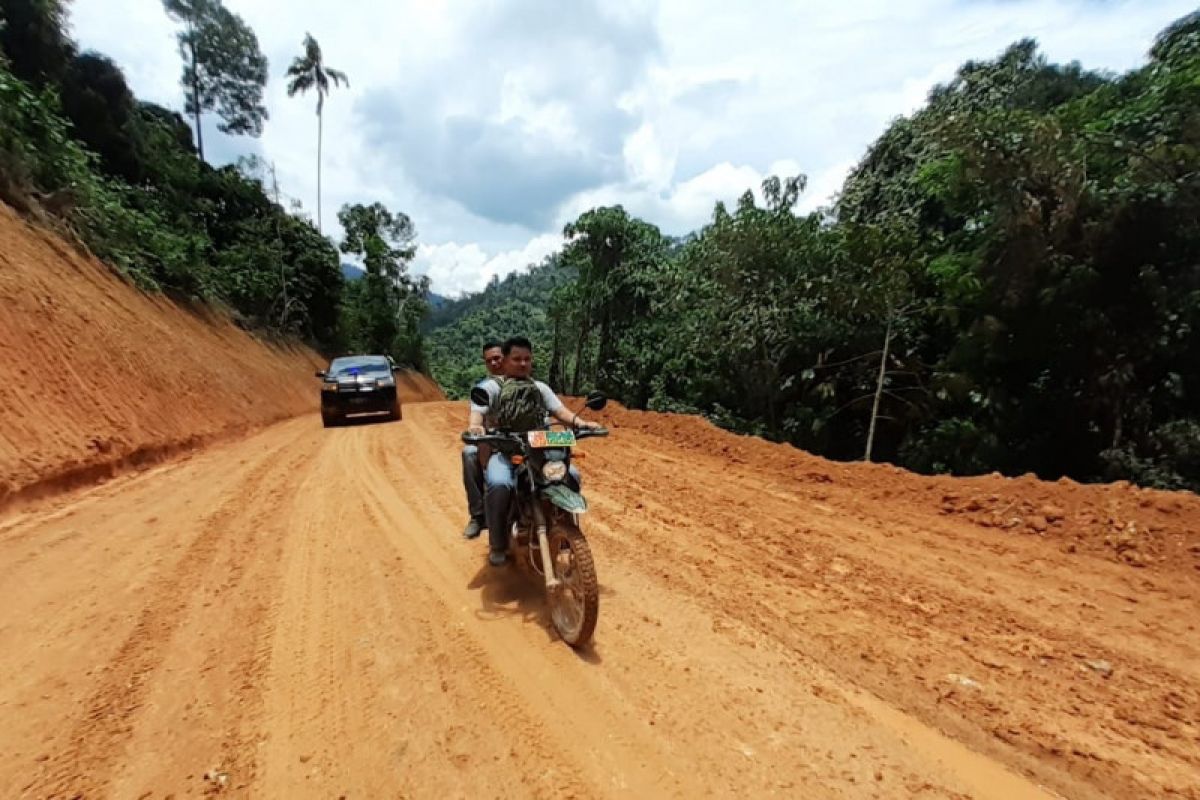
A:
<point x="472" y="530"/>
<point x="497" y="558"/>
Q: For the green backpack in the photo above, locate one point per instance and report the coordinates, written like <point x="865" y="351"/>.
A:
<point x="520" y="406"/>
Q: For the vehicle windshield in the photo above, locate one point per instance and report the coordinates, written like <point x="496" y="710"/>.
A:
<point x="365" y="366"/>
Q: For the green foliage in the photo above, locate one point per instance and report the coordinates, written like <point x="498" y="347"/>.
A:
<point x="616" y="257"/>
<point x="33" y="42"/>
<point x="146" y="205"/>
<point x="223" y="68"/>
<point x="1009" y="281"/>
<point x="510" y="307"/>
<point x="383" y="310"/>
<point x="310" y="72"/>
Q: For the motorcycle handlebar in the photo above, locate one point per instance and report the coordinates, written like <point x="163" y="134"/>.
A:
<point x="488" y="438"/>
<point x="492" y="437"/>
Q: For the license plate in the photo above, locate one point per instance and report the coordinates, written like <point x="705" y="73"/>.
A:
<point x="358" y="401"/>
<point x="547" y="439"/>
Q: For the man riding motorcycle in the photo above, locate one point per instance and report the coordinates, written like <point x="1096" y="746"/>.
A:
<point x="474" y="457"/>
<point x="517" y="403"/>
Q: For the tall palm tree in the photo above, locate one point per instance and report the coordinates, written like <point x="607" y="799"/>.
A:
<point x="309" y="72"/>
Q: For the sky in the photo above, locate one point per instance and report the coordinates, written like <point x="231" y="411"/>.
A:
<point x="493" y="123"/>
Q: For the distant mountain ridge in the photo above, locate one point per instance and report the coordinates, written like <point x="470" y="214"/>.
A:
<point x="353" y="272"/>
<point x="514" y="306"/>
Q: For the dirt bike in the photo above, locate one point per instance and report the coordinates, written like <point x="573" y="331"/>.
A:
<point x="544" y="534"/>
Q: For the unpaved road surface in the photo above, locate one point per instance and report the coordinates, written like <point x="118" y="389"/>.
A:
<point x="295" y="615"/>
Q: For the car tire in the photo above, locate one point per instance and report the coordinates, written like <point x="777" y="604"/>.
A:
<point x="329" y="421"/>
<point x="397" y="413"/>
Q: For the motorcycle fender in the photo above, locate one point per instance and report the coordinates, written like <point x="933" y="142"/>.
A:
<point x="565" y="498"/>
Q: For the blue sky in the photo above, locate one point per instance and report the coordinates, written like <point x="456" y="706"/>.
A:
<point x="493" y="123"/>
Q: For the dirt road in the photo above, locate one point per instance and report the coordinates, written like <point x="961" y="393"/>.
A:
<point x="294" y="615"/>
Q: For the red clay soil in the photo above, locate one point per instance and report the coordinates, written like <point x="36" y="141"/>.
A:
<point x="97" y="377"/>
<point x="295" y="614"/>
<point x="1143" y="528"/>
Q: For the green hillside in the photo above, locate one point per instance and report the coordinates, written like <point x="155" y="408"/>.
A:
<point x="517" y="305"/>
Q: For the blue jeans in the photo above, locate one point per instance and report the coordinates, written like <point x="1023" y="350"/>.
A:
<point x="501" y="479"/>
<point x="472" y="472"/>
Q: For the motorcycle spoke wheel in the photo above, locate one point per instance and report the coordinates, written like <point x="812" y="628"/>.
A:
<point x="575" y="606"/>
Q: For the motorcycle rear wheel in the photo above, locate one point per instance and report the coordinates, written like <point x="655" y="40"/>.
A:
<point x="575" y="605"/>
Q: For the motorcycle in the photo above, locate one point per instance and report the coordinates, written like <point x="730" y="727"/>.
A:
<point x="545" y="538"/>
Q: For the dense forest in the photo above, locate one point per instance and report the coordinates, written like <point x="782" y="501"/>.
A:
<point x="456" y="330"/>
<point x="1009" y="280"/>
<point x="127" y="179"/>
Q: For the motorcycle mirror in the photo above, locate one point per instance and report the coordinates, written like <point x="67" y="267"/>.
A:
<point x="480" y="397"/>
<point x="596" y="400"/>
<point x="321" y="374"/>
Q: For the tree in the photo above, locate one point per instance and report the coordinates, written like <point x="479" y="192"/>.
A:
<point x="224" y="70"/>
<point x="103" y="111"/>
<point x="616" y="256"/>
<point x="386" y="307"/>
<point x="309" y="72"/>
<point x="34" y="41"/>
<point x="879" y="289"/>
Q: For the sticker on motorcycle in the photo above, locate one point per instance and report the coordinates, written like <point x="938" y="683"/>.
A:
<point x="546" y="439"/>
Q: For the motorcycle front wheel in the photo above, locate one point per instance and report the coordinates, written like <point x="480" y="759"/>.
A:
<point x="575" y="605"/>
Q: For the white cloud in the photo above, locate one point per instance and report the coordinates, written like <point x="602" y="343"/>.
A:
<point x="455" y="268"/>
<point x="491" y="128"/>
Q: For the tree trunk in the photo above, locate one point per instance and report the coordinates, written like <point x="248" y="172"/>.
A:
<point x="196" y="91"/>
<point x="320" y="134"/>
<point x="603" y="357"/>
<point x="1117" y="426"/>
<point x="283" y="284"/>
<point x="579" y="343"/>
<point x="556" y="355"/>
<point x="887" y="340"/>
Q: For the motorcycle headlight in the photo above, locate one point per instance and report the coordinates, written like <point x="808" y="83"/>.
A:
<point x="554" y="470"/>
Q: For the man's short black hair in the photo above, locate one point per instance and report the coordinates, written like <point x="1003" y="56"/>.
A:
<point x="517" y="341"/>
<point x="490" y="343"/>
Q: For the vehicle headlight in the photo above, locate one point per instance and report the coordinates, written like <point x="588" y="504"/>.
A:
<point x="329" y="387"/>
<point x="384" y="383"/>
<point x="554" y="470"/>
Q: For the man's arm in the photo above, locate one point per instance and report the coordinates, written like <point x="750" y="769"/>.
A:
<point x="568" y="417"/>
<point x="558" y="410"/>
<point x="475" y="418"/>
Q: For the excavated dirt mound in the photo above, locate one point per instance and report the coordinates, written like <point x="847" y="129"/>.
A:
<point x="417" y="388"/>
<point x="97" y="377"/>
<point x="1136" y="526"/>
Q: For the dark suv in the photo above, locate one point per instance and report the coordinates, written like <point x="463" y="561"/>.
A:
<point x="358" y="385"/>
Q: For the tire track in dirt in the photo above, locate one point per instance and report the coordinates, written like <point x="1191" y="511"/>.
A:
<point x="95" y="743"/>
<point x="517" y="681"/>
<point x="649" y="694"/>
<point x="298" y="612"/>
<point x="226" y="639"/>
<point x="409" y="691"/>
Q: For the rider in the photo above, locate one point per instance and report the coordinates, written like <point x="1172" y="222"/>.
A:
<point x="519" y="388"/>
<point x="475" y="456"/>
